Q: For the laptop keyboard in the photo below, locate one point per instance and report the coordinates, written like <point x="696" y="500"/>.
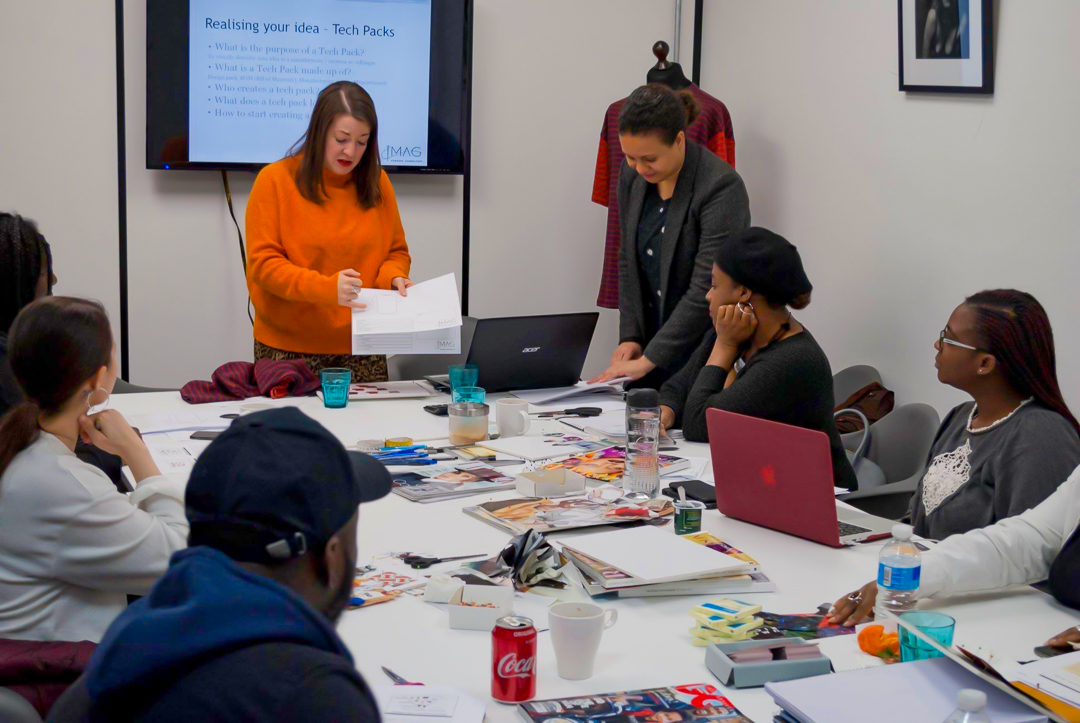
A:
<point x="849" y="529"/>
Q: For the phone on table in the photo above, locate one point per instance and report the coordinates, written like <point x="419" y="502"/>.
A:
<point x="205" y="435"/>
<point x="1050" y="651"/>
<point x="695" y="490"/>
<point x="439" y="410"/>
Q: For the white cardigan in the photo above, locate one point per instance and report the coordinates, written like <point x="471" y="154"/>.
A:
<point x="72" y="547"/>
<point x="1016" y="551"/>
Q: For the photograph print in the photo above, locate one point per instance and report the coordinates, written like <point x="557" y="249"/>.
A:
<point x="946" y="46"/>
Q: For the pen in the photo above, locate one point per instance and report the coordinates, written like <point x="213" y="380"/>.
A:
<point x="412" y="448"/>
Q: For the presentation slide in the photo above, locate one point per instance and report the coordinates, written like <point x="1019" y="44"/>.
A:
<point x="256" y="67"/>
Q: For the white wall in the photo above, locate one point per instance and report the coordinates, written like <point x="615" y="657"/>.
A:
<point x="58" y="138"/>
<point x="544" y="75"/>
<point x="903" y="204"/>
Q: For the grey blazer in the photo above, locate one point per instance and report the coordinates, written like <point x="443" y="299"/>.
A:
<point x="710" y="202"/>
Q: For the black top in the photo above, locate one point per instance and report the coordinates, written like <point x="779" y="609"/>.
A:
<point x="650" y="238"/>
<point x="1065" y="573"/>
<point x="789" y="381"/>
<point x="273" y="681"/>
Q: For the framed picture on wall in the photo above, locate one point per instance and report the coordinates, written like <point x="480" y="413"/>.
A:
<point x="946" y="46"/>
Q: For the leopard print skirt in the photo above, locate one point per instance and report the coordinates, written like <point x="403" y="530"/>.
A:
<point x="364" y="368"/>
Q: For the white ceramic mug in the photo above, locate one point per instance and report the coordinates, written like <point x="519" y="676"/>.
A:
<point x="512" y="417"/>
<point x="576" y="629"/>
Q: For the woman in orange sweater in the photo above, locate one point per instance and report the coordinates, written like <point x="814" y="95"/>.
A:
<point x="321" y="224"/>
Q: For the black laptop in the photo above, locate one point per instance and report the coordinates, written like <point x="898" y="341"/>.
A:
<point x="529" y="352"/>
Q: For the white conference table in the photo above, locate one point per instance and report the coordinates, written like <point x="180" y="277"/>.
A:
<point x="650" y="644"/>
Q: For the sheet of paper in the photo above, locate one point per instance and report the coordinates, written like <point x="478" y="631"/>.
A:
<point x="208" y="417"/>
<point x="1058" y="676"/>
<point x="466" y="708"/>
<point x="696" y="470"/>
<point x="440" y="341"/>
<point x="173" y="457"/>
<point x="419" y="703"/>
<point x="843" y="651"/>
<point x="581" y="389"/>
<point x="430" y="305"/>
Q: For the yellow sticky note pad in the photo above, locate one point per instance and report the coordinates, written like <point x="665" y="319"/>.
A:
<point x="728" y="609"/>
<point x="723" y="627"/>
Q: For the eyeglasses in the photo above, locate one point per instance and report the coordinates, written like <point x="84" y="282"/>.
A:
<point x="952" y="342"/>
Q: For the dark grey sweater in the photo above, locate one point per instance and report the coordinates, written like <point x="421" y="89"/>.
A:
<point x="974" y="480"/>
<point x="789" y="381"/>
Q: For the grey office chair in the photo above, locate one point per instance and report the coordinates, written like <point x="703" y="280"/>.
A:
<point x="848" y="381"/>
<point x="417" y="366"/>
<point x="15" y="709"/>
<point x="899" y="444"/>
<point x="122" y="387"/>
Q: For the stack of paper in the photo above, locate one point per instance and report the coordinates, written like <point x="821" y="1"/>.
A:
<point x="427" y="321"/>
<point x="600" y="578"/>
<point x="1057" y="677"/>
<point x="650" y="555"/>
<point x="546" y="396"/>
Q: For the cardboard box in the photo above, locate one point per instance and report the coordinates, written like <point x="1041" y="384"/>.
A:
<point x="478" y="607"/>
<point x="748" y="675"/>
<point x="550" y="483"/>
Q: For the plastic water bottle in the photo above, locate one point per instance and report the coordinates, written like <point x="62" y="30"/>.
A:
<point x="641" y="479"/>
<point x="899" y="569"/>
<point x="972" y="705"/>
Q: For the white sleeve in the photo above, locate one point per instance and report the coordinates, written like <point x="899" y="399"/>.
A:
<point x="1015" y="551"/>
<point x="121" y="543"/>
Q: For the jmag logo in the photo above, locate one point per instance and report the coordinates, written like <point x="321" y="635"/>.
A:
<point x="402" y="153"/>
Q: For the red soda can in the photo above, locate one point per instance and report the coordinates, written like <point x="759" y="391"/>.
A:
<point x="513" y="660"/>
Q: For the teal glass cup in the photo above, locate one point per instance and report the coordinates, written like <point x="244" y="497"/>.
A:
<point x="335" y="387"/>
<point x="465" y="395"/>
<point x="938" y="626"/>
<point x="464" y="375"/>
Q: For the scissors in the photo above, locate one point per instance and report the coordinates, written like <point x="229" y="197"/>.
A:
<point x="417" y="562"/>
<point x="575" y="412"/>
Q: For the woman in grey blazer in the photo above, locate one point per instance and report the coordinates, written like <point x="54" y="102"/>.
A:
<point x="677" y="201"/>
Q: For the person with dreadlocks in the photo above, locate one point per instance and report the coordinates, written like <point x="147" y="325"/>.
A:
<point x="1016" y="442"/>
<point x="26" y="263"/>
<point x="27" y="275"/>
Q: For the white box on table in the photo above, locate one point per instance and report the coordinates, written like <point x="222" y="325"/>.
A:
<point x="550" y="483"/>
<point x="478" y="607"/>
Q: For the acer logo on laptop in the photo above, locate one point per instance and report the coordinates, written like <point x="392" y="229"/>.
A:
<point x="768" y="476"/>
<point x="530" y="349"/>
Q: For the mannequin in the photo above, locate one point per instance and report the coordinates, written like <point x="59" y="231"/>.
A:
<point x="665" y="72"/>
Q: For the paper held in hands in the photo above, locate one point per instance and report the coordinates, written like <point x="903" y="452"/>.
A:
<point x="427" y="321"/>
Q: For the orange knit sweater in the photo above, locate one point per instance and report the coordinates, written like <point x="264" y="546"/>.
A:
<point x="296" y="249"/>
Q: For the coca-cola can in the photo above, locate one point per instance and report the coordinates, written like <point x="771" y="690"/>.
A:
<point x="513" y="660"/>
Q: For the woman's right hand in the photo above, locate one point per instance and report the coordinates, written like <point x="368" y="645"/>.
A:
<point x="627" y="351"/>
<point x="109" y="431"/>
<point x="348" y="289"/>
<point x="854" y="608"/>
<point x="667" y="417"/>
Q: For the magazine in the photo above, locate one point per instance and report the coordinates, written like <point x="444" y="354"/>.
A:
<point x="756" y="582"/>
<point x="612" y="578"/>
<point x="696" y="702"/>
<point x="601" y="506"/>
<point x="450" y="480"/>
<point x="607" y="465"/>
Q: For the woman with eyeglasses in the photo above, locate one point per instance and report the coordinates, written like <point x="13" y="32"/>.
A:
<point x="1016" y="442"/>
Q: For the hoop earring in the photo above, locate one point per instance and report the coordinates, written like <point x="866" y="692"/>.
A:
<point x="739" y="306"/>
<point x="92" y="409"/>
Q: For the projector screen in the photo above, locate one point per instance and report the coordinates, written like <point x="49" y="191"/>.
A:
<point x="252" y="69"/>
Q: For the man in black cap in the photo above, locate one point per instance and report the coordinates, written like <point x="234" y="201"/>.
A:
<point x="240" y="627"/>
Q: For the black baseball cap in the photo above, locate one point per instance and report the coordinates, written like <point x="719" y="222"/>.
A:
<point x="276" y="484"/>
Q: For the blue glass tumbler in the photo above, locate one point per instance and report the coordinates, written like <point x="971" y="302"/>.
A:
<point x="335" y="387"/>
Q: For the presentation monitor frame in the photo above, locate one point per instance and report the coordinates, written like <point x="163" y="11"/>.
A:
<point x="167" y="90"/>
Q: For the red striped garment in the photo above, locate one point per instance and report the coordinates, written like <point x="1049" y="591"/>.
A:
<point x="264" y="378"/>
<point x="711" y="129"/>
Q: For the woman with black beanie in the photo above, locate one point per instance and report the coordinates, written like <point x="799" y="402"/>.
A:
<point x="757" y="360"/>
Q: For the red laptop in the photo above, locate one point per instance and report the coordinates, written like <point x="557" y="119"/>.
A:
<point x="781" y="477"/>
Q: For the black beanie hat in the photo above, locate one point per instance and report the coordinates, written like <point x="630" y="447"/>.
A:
<point x="764" y="262"/>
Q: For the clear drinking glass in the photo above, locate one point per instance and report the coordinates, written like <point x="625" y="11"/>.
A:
<point x="641" y="479"/>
